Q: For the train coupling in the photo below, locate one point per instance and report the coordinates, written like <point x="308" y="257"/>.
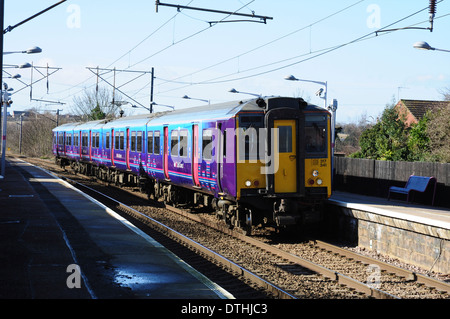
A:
<point x="286" y="213"/>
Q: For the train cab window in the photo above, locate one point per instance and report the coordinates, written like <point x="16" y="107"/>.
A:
<point x="174" y="143"/>
<point x="285" y="139"/>
<point x="133" y="141"/>
<point x="207" y="144"/>
<point x="156" y="143"/>
<point x="107" y="140"/>
<point x="150" y="142"/>
<point x="249" y="126"/>
<point x="183" y="143"/>
<point x="316" y="135"/>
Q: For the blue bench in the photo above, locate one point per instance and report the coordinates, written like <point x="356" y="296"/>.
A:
<point x="416" y="184"/>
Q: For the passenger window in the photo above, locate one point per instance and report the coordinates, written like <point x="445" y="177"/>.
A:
<point x="156" y="143"/>
<point x="133" y="141"/>
<point x="174" y="143"/>
<point x="150" y="142"/>
<point x="207" y="144"/>
<point x="183" y="143"/>
<point x="122" y="140"/>
<point x="107" y="140"/>
<point x="97" y="140"/>
<point x="139" y="142"/>
<point x="117" y="141"/>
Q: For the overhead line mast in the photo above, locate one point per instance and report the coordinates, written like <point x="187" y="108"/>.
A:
<point x="264" y="18"/>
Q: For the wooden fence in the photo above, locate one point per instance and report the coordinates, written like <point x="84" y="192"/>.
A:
<point x="372" y="177"/>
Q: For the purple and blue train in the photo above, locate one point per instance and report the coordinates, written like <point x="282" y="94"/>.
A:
<point x="261" y="161"/>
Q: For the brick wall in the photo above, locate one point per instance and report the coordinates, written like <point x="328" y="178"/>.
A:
<point x="418" y="244"/>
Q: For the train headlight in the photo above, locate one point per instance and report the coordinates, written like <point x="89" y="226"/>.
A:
<point x="315" y="173"/>
<point x="248" y="183"/>
<point x="319" y="181"/>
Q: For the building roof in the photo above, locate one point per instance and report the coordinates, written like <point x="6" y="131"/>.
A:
<point x="418" y="108"/>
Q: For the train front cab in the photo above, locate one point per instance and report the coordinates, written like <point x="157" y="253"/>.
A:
<point x="294" y="177"/>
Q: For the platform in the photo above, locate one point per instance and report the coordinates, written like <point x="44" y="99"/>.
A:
<point x="413" y="233"/>
<point x="426" y="215"/>
<point x="56" y="242"/>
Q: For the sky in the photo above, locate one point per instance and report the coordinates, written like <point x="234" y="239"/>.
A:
<point x="324" y="41"/>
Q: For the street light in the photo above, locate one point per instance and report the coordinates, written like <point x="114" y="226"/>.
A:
<point x="31" y="50"/>
<point x="422" y="45"/>
<point x="235" y="91"/>
<point x="318" y="93"/>
<point x="331" y="108"/>
<point x="192" y="98"/>
<point x="25" y="65"/>
<point x="151" y="106"/>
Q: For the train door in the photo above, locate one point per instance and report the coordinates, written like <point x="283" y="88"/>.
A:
<point x="195" y="155"/>
<point x="286" y="175"/>
<point x="80" y="144"/>
<point x="113" y="145"/>
<point x="90" y="145"/>
<point x="166" y="152"/>
<point x="64" y="143"/>
<point x="127" y="149"/>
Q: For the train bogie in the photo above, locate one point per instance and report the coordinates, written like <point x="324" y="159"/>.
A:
<point x="261" y="161"/>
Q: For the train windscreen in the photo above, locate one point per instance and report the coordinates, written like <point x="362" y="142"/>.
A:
<point x="316" y="136"/>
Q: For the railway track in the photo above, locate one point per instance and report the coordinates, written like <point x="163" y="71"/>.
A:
<point x="301" y="270"/>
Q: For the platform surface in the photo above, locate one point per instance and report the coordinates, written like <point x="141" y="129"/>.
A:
<point x="428" y="215"/>
<point x="56" y="242"/>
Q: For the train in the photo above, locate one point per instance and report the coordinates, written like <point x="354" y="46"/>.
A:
<point x="263" y="161"/>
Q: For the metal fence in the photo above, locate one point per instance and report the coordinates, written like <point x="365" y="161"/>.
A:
<point x="373" y="177"/>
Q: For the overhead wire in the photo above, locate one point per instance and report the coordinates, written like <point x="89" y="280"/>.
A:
<point x="319" y="53"/>
<point x="268" y="43"/>
<point x="154" y="54"/>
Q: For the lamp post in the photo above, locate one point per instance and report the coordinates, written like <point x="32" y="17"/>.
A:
<point x="5" y="101"/>
<point x="422" y="45"/>
<point x="318" y="93"/>
<point x="332" y="108"/>
<point x="5" y="96"/>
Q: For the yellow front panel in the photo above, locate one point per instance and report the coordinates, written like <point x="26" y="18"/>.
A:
<point x="285" y="142"/>
<point x="318" y="170"/>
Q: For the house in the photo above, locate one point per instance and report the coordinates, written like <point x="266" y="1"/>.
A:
<point x="414" y="110"/>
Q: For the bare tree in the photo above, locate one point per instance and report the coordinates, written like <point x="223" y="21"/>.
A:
<point x="96" y="104"/>
<point x="36" y="136"/>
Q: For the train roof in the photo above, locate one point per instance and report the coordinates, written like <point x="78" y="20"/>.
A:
<point x="207" y="112"/>
<point x="220" y="111"/>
